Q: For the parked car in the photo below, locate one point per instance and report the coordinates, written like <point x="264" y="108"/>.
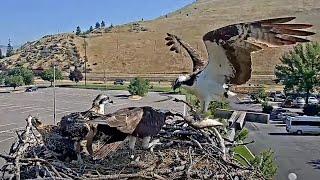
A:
<point x="299" y="102"/>
<point x="118" y="82"/>
<point x="277" y="114"/>
<point x="276" y="96"/>
<point x="313" y="100"/>
<point x="287" y="103"/>
<point x="246" y="100"/>
<point x="31" y="89"/>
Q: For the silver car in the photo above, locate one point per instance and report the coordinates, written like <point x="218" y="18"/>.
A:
<point x="299" y="102"/>
<point x="313" y="100"/>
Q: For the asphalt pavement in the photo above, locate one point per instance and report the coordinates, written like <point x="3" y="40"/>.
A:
<point x="299" y="154"/>
<point x="15" y="107"/>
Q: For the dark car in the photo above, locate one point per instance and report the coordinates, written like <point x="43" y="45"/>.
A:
<point x="277" y="113"/>
<point x="31" y="89"/>
<point x="118" y="82"/>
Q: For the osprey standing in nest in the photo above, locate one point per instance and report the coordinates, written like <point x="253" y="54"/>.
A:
<point x="133" y="122"/>
<point x="229" y="50"/>
<point x="76" y="126"/>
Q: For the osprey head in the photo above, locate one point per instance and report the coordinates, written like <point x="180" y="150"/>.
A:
<point x="179" y="81"/>
<point x="105" y="100"/>
<point x="34" y="121"/>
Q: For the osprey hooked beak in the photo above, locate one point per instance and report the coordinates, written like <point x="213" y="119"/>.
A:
<point x="179" y="81"/>
<point x="176" y="84"/>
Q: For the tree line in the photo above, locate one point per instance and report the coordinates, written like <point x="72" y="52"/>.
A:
<point x="97" y="26"/>
<point x="20" y="76"/>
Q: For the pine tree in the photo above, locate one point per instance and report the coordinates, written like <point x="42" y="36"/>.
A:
<point x="9" y="49"/>
<point x="78" y="31"/>
<point x="97" y="25"/>
<point x="1" y="54"/>
<point x="300" y="69"/>
<point x="90" y="29"/>
<point x="103" y="24"/>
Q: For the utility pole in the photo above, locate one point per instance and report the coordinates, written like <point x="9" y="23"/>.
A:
<point x="85" y="60"/>
<point x="104" y="73"/>
<point x="54" y="93"/>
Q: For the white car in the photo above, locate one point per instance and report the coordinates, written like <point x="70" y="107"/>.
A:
<point x="299" y="102"/>
<point x="313" y="100"/>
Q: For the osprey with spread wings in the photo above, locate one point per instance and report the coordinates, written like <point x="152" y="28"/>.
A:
<point x="229" y="50"/>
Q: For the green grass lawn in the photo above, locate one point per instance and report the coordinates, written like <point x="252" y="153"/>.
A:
<point x="245" y="152"/>
<point x="117" y="87"/>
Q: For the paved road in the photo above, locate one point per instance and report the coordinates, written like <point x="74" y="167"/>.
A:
<point x="294" y="153"/>
<point x="14" y="108"/>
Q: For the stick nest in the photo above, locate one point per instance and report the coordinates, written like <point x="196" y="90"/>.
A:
<point x="184" y="152"/>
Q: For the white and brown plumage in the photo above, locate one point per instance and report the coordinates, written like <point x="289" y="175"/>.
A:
<point x="135" y="122"/>
<point x="76" y="126"/>
<point x="229" y="50"/>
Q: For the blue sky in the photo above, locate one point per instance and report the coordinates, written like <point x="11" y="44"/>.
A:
<point x="28" y="20"/>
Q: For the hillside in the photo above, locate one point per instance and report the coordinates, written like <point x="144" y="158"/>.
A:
<point x="139" y="48"/>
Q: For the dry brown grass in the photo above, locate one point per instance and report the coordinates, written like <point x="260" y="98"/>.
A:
<point x="145" y="52"/>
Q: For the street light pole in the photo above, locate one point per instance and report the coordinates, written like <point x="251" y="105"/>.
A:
<point x="54" y="94"/>
<point x="85" y="60"/>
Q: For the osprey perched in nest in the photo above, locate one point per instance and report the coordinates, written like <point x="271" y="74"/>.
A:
<point x="133" y="122"/>
<point x="76" y="126"/>
<point x="229" y="50"/>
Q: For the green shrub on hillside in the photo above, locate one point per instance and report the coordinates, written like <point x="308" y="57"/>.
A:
<point x="138" y="86"/>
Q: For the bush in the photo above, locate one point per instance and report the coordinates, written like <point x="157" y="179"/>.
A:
<point x="311" y="110"/>
<point x="242" y="135"/>
<point x="2" y="78"/>
<point x="138" y="86"/>
<point x="75" y="75"/>
<point x="265" y="162"/>
<point x="214" y="105"/>
<point x="14" y="81"/>
<point x="262" y="95"/>
<point x="266" y="108"/>
<point x="47" y="75"/>
<point x="25" y="73"/>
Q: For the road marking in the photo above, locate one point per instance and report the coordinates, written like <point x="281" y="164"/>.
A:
<point x="20" y="108"/>
<point x="36" y="108"/>
<point x="6" y="131"/>
<point x="7" y="139"/>
<point x="7" y="105"/>
<point x="10" y="107"/>
<point x="2" y="125"/>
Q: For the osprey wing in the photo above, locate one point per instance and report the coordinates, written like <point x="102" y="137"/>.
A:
<point x="125" y="120"/>
<point x="198" y="62"/>
<point x="229" y="48"/>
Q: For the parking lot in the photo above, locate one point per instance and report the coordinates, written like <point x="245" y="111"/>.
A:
<point x="297" y="154"/>
<point x="14" y="108"/>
